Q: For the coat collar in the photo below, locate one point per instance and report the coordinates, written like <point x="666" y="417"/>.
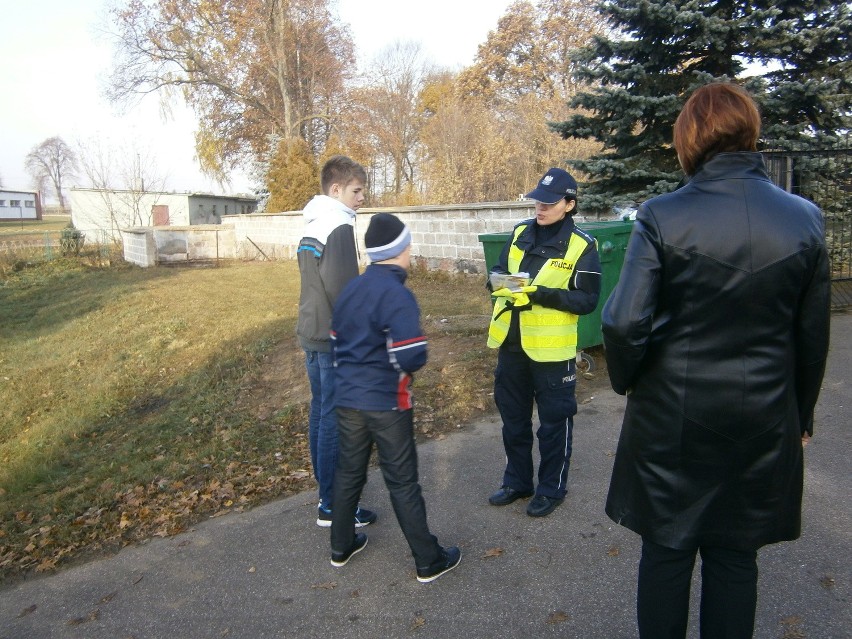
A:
<point x="724" y="166"/>
<point x="526" y="240"/>
<point x="390" y="270"/>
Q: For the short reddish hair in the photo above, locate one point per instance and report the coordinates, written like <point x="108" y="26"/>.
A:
<point x="717" y="118"/>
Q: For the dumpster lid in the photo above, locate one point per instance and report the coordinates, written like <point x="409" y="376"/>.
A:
<point x="500" y="235"/>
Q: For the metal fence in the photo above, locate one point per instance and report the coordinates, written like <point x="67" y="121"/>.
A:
<point x="824" y="176"/>
<point x="17" y="251"/>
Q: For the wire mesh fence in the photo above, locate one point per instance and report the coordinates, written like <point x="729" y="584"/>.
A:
<point x="821" y="171"/>
<point x="26" y="249"/>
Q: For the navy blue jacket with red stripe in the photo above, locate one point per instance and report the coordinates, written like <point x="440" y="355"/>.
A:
<point x="377" y="339"/>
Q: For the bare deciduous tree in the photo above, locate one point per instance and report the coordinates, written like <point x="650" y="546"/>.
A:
<point x="388" y="112"/>
<point x="122" y="176"/>
<point x="52" y="163"/>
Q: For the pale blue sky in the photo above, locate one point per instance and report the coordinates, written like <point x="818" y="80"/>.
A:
<point x="53" y="62"/>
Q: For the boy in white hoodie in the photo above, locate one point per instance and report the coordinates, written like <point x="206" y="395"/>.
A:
<point x="328" y="259"/>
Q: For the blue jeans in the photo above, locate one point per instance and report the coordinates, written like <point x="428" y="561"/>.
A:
<point x="322" y="422"/>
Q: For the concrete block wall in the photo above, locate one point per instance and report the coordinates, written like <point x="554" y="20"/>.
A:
<point x="266" y="235"/>
<point x="147" y="246"/>
<point x="194" y="243"/>
<point x="139" y="246"/>
<point x="442" y="237"/>
<point x="447" y="238"/>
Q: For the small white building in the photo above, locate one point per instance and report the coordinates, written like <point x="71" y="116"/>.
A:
<point x="101" y="214"/>
<point x="19" y="205"/>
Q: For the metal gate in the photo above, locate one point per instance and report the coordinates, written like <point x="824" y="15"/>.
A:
<point x="824" y="176"/>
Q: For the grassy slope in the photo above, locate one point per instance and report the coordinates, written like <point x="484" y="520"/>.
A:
<point x="133" y="402"/>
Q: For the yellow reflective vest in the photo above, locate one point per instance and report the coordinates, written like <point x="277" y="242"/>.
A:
<point x="547" y="334"/>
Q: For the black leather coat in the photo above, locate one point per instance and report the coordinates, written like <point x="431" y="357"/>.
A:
<point x="718" y="333"/>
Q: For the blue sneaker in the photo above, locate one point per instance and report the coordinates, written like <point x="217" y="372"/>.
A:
<point x="363" y="517"/>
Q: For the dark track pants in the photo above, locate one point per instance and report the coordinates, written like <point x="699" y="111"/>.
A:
<point x="393" y="433"/>
<point x="518" y="382"/>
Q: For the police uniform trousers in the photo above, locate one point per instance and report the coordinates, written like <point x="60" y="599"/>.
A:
<point x="518" y="383"/>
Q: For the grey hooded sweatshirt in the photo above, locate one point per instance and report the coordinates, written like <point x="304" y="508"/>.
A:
<point x="328" y="259"/>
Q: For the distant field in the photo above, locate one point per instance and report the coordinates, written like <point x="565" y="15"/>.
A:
<point x="28" y="227"/>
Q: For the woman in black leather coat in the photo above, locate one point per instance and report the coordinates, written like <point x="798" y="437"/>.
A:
<point x="717" y="332"/>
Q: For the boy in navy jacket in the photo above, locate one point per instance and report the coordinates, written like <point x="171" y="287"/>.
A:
<point x="378" y="344"/>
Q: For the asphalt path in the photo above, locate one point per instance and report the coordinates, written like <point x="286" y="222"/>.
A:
<point x="266" y="572"/>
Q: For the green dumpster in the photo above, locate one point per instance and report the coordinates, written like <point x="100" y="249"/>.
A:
<point x="612" y="237"/>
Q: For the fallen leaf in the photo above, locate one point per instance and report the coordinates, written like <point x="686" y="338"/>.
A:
<point x="108" y="598"/>
<point x="328" y="585"/>
<point x="492" y="552"/>
<point x="417" y="622"/>
<point x="81" y="620"/>
<point x="252" y="569"/>
<point x="558" y="617"/>
<point x="27" y="611"/>
<point x="827" y="582"/>
<point x="45" y="565"/>
<point x="613" y="551"/>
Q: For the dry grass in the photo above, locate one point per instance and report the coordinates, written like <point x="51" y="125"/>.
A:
<point x="33" y="227"/>
<point x="135" y="401"/>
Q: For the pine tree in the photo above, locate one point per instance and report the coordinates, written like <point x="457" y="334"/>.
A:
<point x="292" y="179"/>
<point x="808" y="94"/>
<point x="662" y="50"/>
<point x="807" y="105"/>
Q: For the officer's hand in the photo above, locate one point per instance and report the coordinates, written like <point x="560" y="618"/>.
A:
<point x="520" y="299"/>
<point x="544" y="290"/>
<point x="544" y="295"/>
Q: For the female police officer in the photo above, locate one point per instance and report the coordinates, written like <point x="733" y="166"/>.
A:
<point x="535" y="330"/>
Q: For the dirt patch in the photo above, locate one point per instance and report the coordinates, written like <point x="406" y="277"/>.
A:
<point x="281" y="382"/>
<point x="455" y="386"/>
<point x="591" y="382"/>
